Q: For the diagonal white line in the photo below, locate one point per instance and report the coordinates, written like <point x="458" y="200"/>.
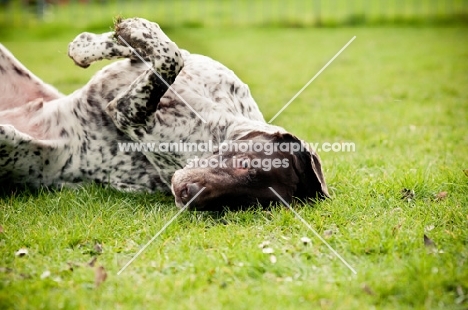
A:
<point x="313" y="230"/>
<point x="164" y="81"/>
<point x="159" y="232"/>
<point x="311" y="80"/>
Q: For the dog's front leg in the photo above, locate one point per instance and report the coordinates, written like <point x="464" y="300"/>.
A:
<point x="134" y="109"/>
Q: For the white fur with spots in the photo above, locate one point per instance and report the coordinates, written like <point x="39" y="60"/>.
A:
<point x="74" y="139"/>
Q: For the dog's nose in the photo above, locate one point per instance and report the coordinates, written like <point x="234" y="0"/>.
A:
<point x="189" y="191"/>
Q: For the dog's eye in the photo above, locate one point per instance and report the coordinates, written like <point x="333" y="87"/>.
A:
<point x="245" y="164"/>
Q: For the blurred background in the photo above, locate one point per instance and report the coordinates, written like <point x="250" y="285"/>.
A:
<point x="233" y="13"/>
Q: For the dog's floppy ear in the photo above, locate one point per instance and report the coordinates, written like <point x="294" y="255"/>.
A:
<point x="317" y="169"/>
<point x="307" y="165"/>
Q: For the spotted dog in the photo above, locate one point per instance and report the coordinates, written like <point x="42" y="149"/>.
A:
<point x="156" y="94"/>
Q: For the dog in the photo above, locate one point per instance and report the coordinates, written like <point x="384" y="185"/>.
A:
<point x="159" y="95"/>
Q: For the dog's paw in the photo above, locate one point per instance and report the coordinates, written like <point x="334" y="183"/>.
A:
<point x="143" y="36"/>
<point x="87" y="48"/>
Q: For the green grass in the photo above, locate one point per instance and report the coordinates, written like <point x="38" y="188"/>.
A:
<point x="399" y="94"/>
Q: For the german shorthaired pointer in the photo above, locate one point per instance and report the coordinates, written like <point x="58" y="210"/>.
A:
<point x="158" y="95"/>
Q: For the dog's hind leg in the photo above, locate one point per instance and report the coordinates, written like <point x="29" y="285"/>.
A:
<point x="18" y="85"/>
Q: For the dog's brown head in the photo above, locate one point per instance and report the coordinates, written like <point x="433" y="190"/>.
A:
<point x="241" y="172"/>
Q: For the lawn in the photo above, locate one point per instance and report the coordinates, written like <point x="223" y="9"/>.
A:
<point x="400" y="94"/>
